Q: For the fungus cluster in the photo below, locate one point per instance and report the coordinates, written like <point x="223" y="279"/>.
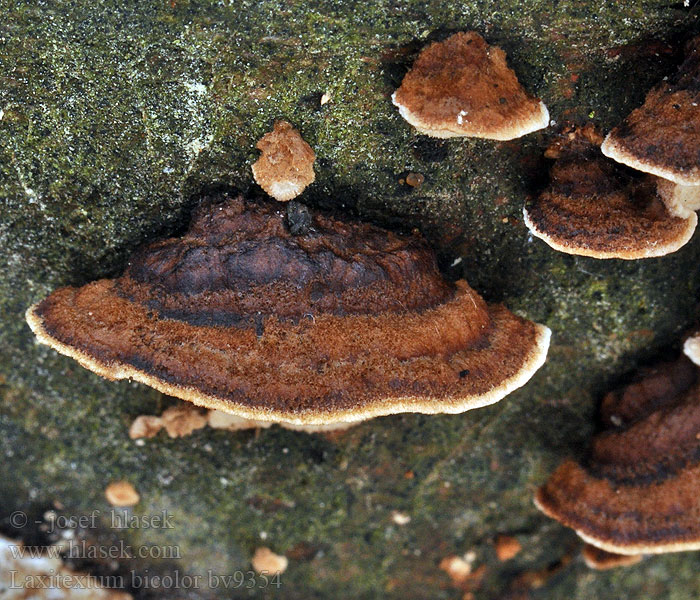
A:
<point x="302" y="318"/>
<point x="637" y="491"/>
<point x="183" y="420"/>
<point x="595" y="207"/>
<point x="464" y="87"/>
<point x="662" y="137"/>
<point x="321" y="322"/>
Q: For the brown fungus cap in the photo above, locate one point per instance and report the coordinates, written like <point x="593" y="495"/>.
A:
<point x="594" y="207"/>
<point x="339" y="322"/>
<point x="286" y="165"/>
<point x="637" y="492"/>
<point x="464" y="87"/>
<point x="600" y="560"/>
<point x="662" y="137"/>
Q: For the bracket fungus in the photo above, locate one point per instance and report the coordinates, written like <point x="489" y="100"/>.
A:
<point x="286" y="165"/>
<point x="335" y="321"/>
<point x="464" y="87"/>
<point x="122" y="494"/>
<point x="662" y="137"/>
<point x="595" y="207"/>
<point x="691" y="348"/>
<point x="637" y="492"/>
<point x="265" y="561"/>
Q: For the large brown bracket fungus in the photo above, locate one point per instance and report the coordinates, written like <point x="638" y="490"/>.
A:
<point x="662" y="137"/>
<point x="595" y="207"/>
<point x="464" y="87"/>
<point x="337" y="322"/>
<point x="638" y="491"/>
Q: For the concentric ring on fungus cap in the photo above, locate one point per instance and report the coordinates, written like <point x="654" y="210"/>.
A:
<point x="338" y="322"/>
<point x="637" y="493"/>
<point x="595" y="207"/>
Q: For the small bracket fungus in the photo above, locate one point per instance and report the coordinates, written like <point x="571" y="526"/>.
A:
<point x="691" y="348"/>
<point x="637" y="492"/>
<point x="121" y="494"/>
<point x="340" y="322"/>
<point x="266" y="562"/>
<point x="464" y="87"/>
<point x="286" y="165"/>
<point x="662" y="137"/>
<point x="457" y="568"/>
<point x="594" y="207"/>
<point x="400" y="518"/>
<point x="145" y="426"/>
<point x="181" y="421"/>
<point x="507" y="547"/>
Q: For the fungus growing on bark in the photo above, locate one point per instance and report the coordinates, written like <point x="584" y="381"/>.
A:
<point x="145" y="426"/>
<point x="286" y="165"/>
<point x="458" y="568"/>
<point x="593" y="207"/>
<point x="266" y="562"/>
<point x="464" y="87"/>
<point x="662" y="137"/>
<point x="691" y="348"/>
<point x="400" y="518"/>
<point x="178" y="421"/>
<point x="507" y="547"/>
<point x="600" y="560"/>
<point x="339" y="322"/>
<point x="650" y="389"/>
<point x="181" y="421"/>
<point x="637" y="492"/>
<point x="121" y="494"/>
